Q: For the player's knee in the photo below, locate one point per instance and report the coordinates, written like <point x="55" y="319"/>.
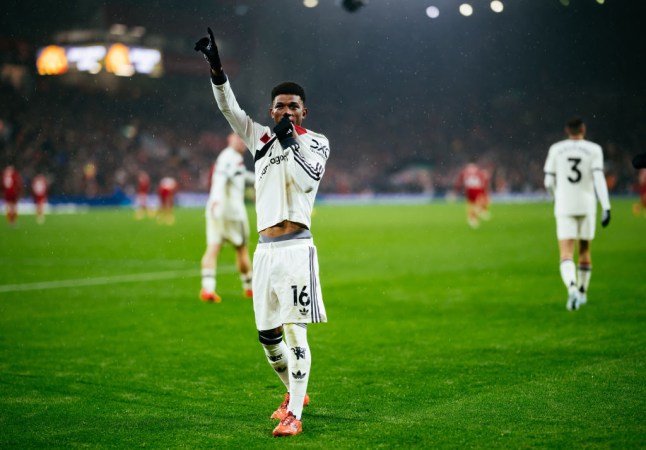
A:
<point x="270" y="337"/>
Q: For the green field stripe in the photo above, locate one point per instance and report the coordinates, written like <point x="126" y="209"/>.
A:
<point x="105" y="280"/>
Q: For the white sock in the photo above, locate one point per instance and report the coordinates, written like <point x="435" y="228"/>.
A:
<point x="585" y="272"/>
<point x="246" y="278"/>
<point x="299" y="366"/>
<point x="277" y="358"/>
<point x="208" y="280"/>
<point x="568" y="273"/>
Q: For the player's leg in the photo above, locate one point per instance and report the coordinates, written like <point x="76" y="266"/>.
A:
<point x="585" y="270"/>
<point x="483" y="201"/>
<point x="266" y="310"/>
<point x="567" y="268"/>
<point x="244" y="268"/>
<point x="472" y="214"/>
<point x="299" y="365"/>
<point x="567" y="232"/>
<point x="208" y="271"/>
<point x="276" y="352"/>
<point x="12" y="212"/>
<point x="239" y="236"/>
<point x="40" y="211"/>
<point x="301" y="300"/>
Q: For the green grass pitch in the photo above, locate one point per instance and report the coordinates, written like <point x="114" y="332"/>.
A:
<point x="439" y="336"/>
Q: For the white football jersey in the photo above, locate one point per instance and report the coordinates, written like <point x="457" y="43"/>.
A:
<point x="226" y="197"/>
<point x="572" y="163"/>
<point x="286" y="181"/>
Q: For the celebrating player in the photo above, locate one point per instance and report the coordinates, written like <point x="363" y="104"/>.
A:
<point x="39" y="193"/>
<point x="573" y="173"/>
<point x="12" y="187"/>
<point x="226" y="218"/>
<point x="475" y="183"/>
<point x="289" y="162"/>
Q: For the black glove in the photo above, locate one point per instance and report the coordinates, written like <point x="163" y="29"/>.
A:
<point x="207" y="46"/>
<point x="605" y="218"/>
<point x="285" y="133"/>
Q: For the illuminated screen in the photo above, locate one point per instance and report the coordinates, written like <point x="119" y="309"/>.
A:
<point x="119" y="59"/>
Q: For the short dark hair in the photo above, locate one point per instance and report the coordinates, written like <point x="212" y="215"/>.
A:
<point x="288" y="87"/>
<point x="574" y="125"/>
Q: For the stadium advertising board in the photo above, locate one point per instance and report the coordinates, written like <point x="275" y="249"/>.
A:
<point x="119" y="59"/>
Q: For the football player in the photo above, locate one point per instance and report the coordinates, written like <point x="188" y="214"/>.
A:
<point x="289" y="161"/>
<point x="573" y="173"/>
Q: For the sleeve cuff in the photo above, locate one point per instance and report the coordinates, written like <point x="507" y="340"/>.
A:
<point x="220" y="79"/>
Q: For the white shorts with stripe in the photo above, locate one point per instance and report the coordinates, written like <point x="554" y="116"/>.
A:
<point x="286" y="287"/>
<point x="234" y="231"/>
<point x="576" y="227"/>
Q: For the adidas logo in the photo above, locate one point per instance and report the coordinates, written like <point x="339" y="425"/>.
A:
<point x="298" y="375"/>
<point x="275" y="358"/>
<point x="304" y="311"/>
<point x="281" y="369"/>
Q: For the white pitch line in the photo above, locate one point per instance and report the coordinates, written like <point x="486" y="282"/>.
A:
<point x="104" y="280"/>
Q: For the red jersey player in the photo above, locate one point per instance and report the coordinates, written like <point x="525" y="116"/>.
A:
<point x="475" y="183"/>
<point x="141" y="201"/>
<point x="39" y="193"/>
<point x="167" y="190"/>
<point x="12" y="187"/>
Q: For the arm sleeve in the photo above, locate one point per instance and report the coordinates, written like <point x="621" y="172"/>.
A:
<point x="599" y="179"/>
<point x="549" y="182"/>
<point x="306" y="168"/>
<point x="601" y="188"/>
<point x="550" y="172"/>
<point x="240" y="122"/>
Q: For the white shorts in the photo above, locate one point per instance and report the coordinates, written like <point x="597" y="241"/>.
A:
<point x="286" y="286"/>
<point x="234" y="231"/>
<point x="576" y="227"/>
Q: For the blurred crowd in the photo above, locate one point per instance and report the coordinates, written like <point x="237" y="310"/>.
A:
<point x="93" y="142"/>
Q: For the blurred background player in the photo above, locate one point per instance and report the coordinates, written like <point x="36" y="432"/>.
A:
<point x="639" y="208"/>
<point x="573" y="173"/>
<point x="143" y="188"/>
<point x="12" y="187"/>
<point x="289" y="162"/>
<point x="39" y="193"/>
<point x="474" y="182"/>
<point x="167" y="190"/>
<point x="226" y="217"/>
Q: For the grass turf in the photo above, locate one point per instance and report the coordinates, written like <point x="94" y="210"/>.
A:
<point x="440" y="336"/>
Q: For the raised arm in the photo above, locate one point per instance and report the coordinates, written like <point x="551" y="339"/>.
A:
<point x="240" y="122"/>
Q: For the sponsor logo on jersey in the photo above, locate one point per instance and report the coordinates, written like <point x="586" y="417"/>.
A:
<point x="320" y="149"/>
<point x="274" y="160"/>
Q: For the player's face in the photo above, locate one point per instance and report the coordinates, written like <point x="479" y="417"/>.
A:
<point x="289" y="104"/>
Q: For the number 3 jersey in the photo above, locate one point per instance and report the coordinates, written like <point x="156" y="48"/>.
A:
<point x="286" y="180"/>
<point x="573" y="162"/>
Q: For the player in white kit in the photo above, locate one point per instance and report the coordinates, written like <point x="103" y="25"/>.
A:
<point x="573" y="174"/>
<point x="289" y="162"/>
<point x="226" y="218"/>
